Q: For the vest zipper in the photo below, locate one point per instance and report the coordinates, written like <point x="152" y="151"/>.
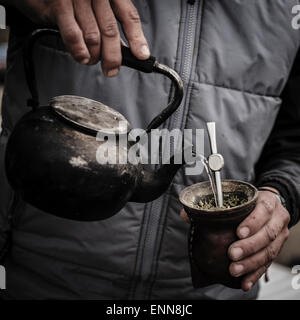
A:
<point x="187" y="63"/>
<point x="155" y="212"/>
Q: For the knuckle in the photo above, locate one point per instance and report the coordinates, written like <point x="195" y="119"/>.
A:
<point x="258" y="274"/>
<point x="271" y="233"/>
<point x="71" y="35"/>
<point x="286" y="233"/>
<point x="133" y="16"/>
<point x="287" y="217"/>
<point x="251" y="222"/>
<point x="248" y="246"/>
<point x="110" y="30"/>
<point x="92" y="38"/>
<point x="254" y="265"/>
<point x="261" y="271"/>
<point x="271" y="254"/>
<point x="269" y="205"/>
<point x="253" y="218"/>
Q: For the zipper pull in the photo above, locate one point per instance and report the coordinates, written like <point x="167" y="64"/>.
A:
<point x="191" y="2"/>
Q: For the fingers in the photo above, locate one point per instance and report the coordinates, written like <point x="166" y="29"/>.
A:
<point x="266" y="204"/>
<point x="266" y="235"/>
<point x="111" y="57"/>
<point x="89" y="29"/>
<point x="71" y="32"/>
<point x="249" y="281"/>
<point x="86" y="19"/>
<point x="262" y="258"/>
<point x="131" y="23"/>
<point x="267" y="232"/>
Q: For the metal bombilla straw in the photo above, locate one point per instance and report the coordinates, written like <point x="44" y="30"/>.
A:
<point x="215" y="162"/>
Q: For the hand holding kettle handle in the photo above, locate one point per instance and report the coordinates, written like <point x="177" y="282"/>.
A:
<point x="128" y="59"/>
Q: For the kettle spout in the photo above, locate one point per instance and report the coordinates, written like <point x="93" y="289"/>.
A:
<point x="153" y="184"/>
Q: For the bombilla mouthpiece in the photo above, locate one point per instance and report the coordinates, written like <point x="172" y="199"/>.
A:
<point x="211" y="127"/>
<point x="216" y="161"/>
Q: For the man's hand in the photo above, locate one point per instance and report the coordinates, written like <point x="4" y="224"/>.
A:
<point x="262" y="235"/>
<point x="89" y="28"/>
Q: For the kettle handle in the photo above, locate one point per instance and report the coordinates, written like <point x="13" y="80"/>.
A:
<point x="128" y="59"/>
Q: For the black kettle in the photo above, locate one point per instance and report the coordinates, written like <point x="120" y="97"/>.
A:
<point x="51" y="154"/>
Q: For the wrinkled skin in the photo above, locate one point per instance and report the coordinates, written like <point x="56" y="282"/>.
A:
<point x="262" y="235"/>
<point x="90" y="32"/>
<point x="89" y="28"/>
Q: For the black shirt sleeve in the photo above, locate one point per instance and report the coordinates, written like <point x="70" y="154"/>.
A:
<point x="279" y="164"/>
<point x="18" y="23"/>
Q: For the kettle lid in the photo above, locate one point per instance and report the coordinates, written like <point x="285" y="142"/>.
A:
<point x="90" y="115"/>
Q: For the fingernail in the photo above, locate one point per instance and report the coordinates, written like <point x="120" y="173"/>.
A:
<point x="244" y="232"/>
<point x="145" y="51"/>
<point x="236" y="253"/>
<point x="113" y="72"/>
<point x="85" y="61"/>
<point x="237" y="269"/>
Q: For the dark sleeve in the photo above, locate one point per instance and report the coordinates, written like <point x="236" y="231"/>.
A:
<point x="18" y="23"/>
<point x="279" y="164"/>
